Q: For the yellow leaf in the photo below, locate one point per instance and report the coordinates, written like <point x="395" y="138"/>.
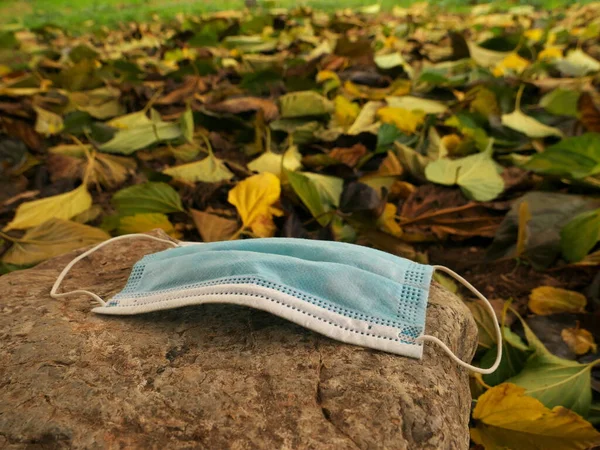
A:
<point x="547" y="300"/>
<point x="325" y="75"/>
<point x="144" y="222"/>
<point x="208" y="170"/>
<point x="387" y="221"/>
<point x="513" y="62"/>
<point x="52" y="238"/>
<point x="253" y="198"/>
<point x="273" y="162"/>
<point x="405" y="120"/>
<point x="534" y="35"/>
<point x="579" y="340"/>
<point x="212" y="227"/>
<point x="63" y="206"/>
<point x="508" y="419"/>
<point x="345" y="112"/>
<point x="451" y="142"/>
<point x="523" y="234"/>
<point x="47" y="123"/>
<point x="550" y="53"/>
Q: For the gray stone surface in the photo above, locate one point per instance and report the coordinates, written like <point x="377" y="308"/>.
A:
<point x="214" y="376"/>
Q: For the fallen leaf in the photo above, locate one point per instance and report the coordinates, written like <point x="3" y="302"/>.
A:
<point x="511" y="63"/>
<point x="349" y="156"/>
<point x="212" y="227"/>
<point x="319" y="193"/>
<point x="580" y="235"/>
<point x="209" y="170"/>
<point x="574" y="157"/>
<point x="51" y="238"/>
<point x="561" y="102"/>
<point x="148" y="197"/>
<point x="577" y="63"/>
<point x="589" y="112"/>
<point x="545" y="300"/>
<point x="144" y="222"/>
<point x="404" y="119"/>
<point x="387" y="221"/>
<point x="247" y="104"/>
<point x="507" y="418"/>
<point x="254" y="198"/>
<point x="552" y="380"/>
<point x="304" y="103"/>
<point x="580" y="341"/>
<point x="137" y="133"/>
<point x="476" y="175"/>
<point x="365" y="122"/>
<point x="549" y="213"/>
<point x="523" y="232"/>
<point x="62" y="206"/>
<point x="417" y="104"/>
<point x="47" y="123"/>
<point x="273" y="162"/>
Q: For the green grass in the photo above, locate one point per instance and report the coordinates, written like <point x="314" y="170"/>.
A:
<point x="84" y="14"/>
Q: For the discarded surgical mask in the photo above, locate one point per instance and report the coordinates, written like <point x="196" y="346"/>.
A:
<point x="350" y="293"/>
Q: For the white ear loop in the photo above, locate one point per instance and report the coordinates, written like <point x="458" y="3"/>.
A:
<point x="75" y="260"/>
<point x="487" y="303"/>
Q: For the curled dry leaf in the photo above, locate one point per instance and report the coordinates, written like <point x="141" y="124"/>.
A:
<point x="580" y="341"/>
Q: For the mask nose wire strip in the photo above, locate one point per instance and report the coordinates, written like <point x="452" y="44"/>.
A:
<point x="75" y="260"/>
<point x="496" y="327"/>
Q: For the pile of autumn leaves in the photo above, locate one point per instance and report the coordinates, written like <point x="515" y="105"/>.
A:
<point x="535" y="399"/>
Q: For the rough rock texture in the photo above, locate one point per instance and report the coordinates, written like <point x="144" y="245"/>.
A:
<point x="214" y="376"/>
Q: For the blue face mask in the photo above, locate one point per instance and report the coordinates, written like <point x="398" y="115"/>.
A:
<point x="350" y="293"/>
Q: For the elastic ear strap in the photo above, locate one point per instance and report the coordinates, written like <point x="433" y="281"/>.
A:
<point x="496" y="327"/>
<point x="75" y="260"/>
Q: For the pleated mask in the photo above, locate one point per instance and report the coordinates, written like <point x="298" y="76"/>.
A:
<point x="350" y="293"/>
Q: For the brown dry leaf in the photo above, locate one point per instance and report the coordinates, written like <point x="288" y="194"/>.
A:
<point x="212" y="227"/>
<point x="580" y="341"/>
<point x="246" y="104"/>
<point x="545" y="300"/>
<point x="434" y="212"/>
<point x="349" y="156"/>
<point x="191" y="85"/>
<point x="590" y="113"/>
<point x="390" y="166"/>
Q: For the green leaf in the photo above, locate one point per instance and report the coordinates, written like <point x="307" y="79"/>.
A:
<point x="319" y="193"/>
<point x="137" y="132"/>
<point x="417" y="104"/>
<point x="147" y="198"/>
<point x="273" y="162"/>
<point x="386" y="136"/>
<point x="529" y="126"/>
<point x="580" y="235"/>
<point x="209" y="170"/>
<point x="63" y="206"/>
<point x="52" y="238"/>
<point x="554" y="381"/>
<point x="484" y="57"/>
<point x="304" y="103"/>
<point x="186" y="122"/>
<point x="514" y="357"/>
<point x="561" y="102"/>
<point x="575" y="157"/>
<point x="476" y="175"/>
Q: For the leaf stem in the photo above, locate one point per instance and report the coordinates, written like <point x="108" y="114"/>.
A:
<point x="208" y="146"/>
<point x="8" y="238"/>
<point x="519" y="95"/>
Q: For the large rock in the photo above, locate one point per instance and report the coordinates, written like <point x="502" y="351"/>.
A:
<point x="214" y="376"/>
